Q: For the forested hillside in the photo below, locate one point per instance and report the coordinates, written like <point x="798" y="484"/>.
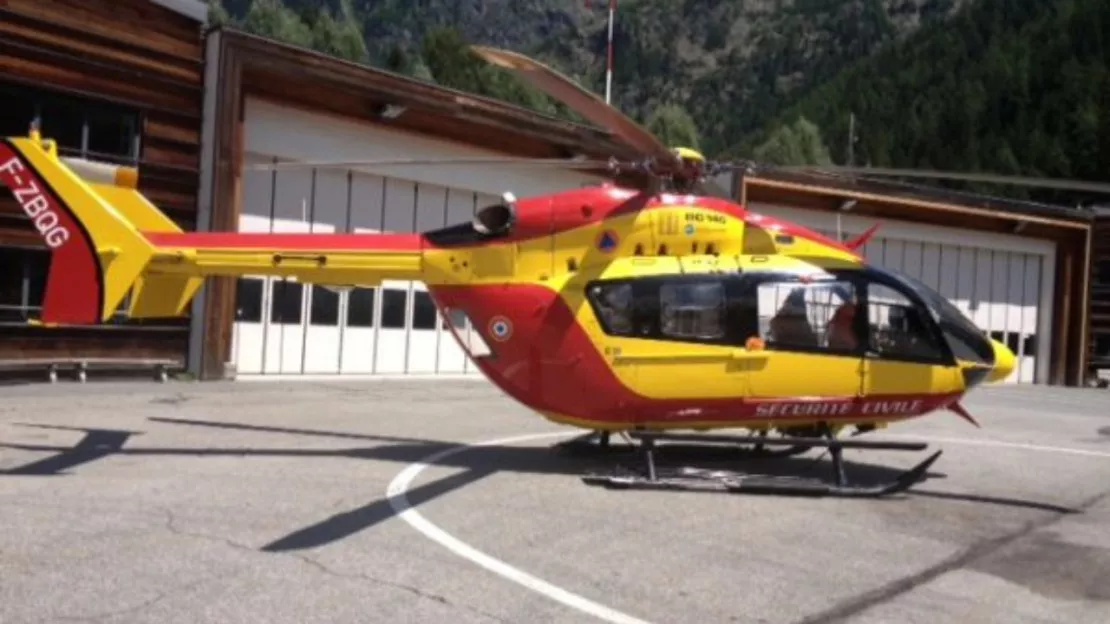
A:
<point x="1009" y="86"/>
<point x="731" y="64"/>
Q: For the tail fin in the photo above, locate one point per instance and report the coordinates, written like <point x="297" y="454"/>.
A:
<point x="107" y="240"/>
<point x="97" y="253"/>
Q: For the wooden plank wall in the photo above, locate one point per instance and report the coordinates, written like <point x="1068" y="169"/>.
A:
<point x="133" y="53"/>
<point x="1099" y="335"/>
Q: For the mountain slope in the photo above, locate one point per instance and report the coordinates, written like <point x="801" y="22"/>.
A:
<point x="1007" y="86"/>
<point x="732" y="64"/>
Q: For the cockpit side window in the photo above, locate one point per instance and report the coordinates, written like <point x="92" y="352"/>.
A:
<point x="898" y="329"/>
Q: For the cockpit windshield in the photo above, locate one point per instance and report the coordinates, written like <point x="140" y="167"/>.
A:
<point x="967" y="341"/>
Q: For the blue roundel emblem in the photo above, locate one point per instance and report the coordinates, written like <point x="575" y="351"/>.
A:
<point x="500" y="328"/>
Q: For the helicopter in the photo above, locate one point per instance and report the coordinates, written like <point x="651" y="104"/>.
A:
<point x="655" y="307"/>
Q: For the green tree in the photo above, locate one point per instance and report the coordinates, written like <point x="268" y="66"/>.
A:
<point x="674" y="126"/>
<point x="272" y="19"/>
<point x="217" y="14"/>
<point x="340" y="37"/>
<point x="799" y="143"/>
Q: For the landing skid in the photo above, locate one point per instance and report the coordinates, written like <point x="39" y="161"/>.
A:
<point x="652" y="478"/>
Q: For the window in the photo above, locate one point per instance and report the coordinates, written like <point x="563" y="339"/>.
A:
<point x="800" y="315"/>
<point x="22" y="283"/>
<point x="285" y="302"/>
<point x="325" y="307"/>
<point x="424" y="310"/>
<point x="90" y="129"/>
<point x="394" y="308"/>
<point x="668" y="308"/>
<point x="360" y="307"/>
<point x="898" y="329"/>
<point x="692" y="310"/>
<point x="613" y="306"/>
<point x="248" y="300"/>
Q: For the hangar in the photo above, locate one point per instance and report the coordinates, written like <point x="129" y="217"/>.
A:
<point x="232" y="101"/>
<point x="999" y="262"/>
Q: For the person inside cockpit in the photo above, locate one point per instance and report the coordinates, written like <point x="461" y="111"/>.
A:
<point x="790" y="324"/>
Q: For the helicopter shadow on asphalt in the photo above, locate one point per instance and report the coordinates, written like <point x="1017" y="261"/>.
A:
<point x="475" y="463"/>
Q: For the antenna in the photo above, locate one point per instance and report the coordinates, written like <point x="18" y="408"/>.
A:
<point x="609" y="50"/>
<point x="609" y="53"/>
<point x="851" y="139"/>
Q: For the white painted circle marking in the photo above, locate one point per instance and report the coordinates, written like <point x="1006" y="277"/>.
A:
<point x="401" y="507"/>
<point x="400" y="504"/>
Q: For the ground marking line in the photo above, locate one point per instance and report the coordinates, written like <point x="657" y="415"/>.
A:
<point x="400" y="504"/>
<point x="1067" y="450"/>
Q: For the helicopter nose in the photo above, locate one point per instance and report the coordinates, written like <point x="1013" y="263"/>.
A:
<point x="1004" y="362"/>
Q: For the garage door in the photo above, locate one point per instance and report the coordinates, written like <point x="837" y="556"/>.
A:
<point x="282" y="327"/>
<point x="1002" y="283"/>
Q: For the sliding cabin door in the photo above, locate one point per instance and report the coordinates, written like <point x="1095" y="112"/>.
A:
<point x="812" y="342"/>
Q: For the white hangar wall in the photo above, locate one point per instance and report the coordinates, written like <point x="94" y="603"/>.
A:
<point x="288" y="329"/>
<point x="1003" y="283"/>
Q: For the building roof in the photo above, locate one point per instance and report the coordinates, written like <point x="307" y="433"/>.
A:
<point x="922" y="192"/>
<point x="329" y="84"/>
<point x="194" y="9"/>
<point x="332" y="85"/>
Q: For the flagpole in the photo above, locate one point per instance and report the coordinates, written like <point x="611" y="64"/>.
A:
<point x="609" y="60"/>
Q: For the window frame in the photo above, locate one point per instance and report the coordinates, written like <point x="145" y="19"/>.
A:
<point x="91" y="112"/>
<point x="741" y="312"/>
<point x="648" y="289"/>
<point x="751" y="284"/>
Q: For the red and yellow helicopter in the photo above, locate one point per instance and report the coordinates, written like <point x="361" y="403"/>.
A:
<point x="639" y="308"/>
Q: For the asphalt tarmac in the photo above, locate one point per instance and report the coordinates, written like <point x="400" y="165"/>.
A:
<point x="270" y="502"/>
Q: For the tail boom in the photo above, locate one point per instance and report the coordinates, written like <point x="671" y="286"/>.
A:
<point x="339" y="259"/>
<point x="107" y="240"/>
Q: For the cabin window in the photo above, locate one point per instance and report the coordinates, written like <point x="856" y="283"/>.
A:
<point x="692" y="310"/>
<point x="613" y="304"/>
<point x="898" y="329"/>
<point x="799" y="315"/>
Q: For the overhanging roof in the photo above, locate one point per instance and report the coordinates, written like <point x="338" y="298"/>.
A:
<point x="194" y="9"/>
<point x="326" y="84"/>
<point x="892" y="199"/>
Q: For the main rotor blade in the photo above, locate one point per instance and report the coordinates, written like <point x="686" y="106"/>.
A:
<point x="570" y="163"/>
<point x="1070" y="185"/>
<point x="582" y="101"/>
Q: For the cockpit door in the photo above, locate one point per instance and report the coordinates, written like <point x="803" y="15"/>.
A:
<point x="905" y="360"/>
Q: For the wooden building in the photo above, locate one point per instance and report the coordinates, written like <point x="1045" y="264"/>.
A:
<point x="116" y="80"/>
<point x="1099" y="341"/>
<point x="267" y="101"/>
<point x="197" y="110"/>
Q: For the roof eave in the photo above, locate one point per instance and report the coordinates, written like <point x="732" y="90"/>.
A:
<point x="193" y="9"/>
